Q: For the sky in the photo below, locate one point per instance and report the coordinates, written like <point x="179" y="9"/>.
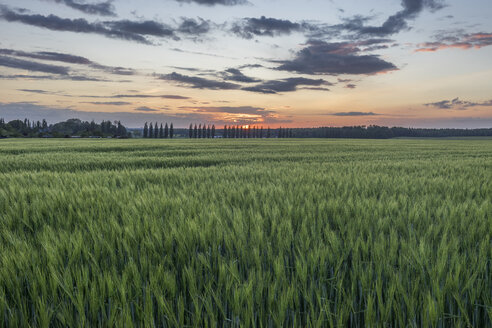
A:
<point x="289" y="63"/>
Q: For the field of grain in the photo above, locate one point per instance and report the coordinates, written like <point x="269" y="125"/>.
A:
<point x="246" y="233"/>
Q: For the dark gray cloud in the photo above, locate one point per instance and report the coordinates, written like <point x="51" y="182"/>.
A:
<point x="458" y="40"/>
<point x="216" y="2"/>
<point x="263" y="26"/>
<point x="67" y="58"/>
<point x="53" y="77"/>
<point x="350" y="86"/>
<point x="393" y="24"/>
<point x="43" y="92"/>
<point x="354" y="114"/>
<point x="198" y="82"/>
<point x="234" y="74"/>
<point x="194" y="26"/>
<point x="285" y="85"/>
<point x="101" y="8"/>
<point x="458" y="104"/>
<point x="153" y="28"/>
<point x="146" y="109"/>
<point x="32" y="66"/>
<point x="78" y="25"/>
<point x="319" y="57"/>
<point x="110" y="103"/>
<point x="138" y="31"/>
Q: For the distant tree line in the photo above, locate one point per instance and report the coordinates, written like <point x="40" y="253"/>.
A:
<point x="201" y="131"/>
<point x="69" y="128"/>
<point x="383" y="132"/>
<point x="158" y="132"/>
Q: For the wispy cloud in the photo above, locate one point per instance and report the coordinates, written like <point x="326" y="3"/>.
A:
<point x="394" y="23"/>
<point x="146" y="109"/>
<point x="110" y="103"/>
<point x="285" y="85"/>
<point x="354" y="114"/>
<point x="32" y="66"/>
<point x="198" y="82"/>
<point x="464" y="41"/>
<point x="458" y="104"/>
<point x="215" y="2"/>
<point x="67" y="58"/>
<point x="105" y="8"/>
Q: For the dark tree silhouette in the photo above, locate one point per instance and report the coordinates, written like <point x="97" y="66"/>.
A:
<point x="190" y="132"/>
<point x="209" y="131"/>
<point x="151" y="130"/>
<point x="213" y="131"/>
<point x="171" y="131"/>
<point x="199" y="131"/>
<point x="195" y="132"/>
<point x="166" y="131"/>
<point x="204" y="131"/>
<point x="156" y="131"/>
<point x="161" y="132"/>
<point x="146" y="131"/>
<point x="225" y="135"/>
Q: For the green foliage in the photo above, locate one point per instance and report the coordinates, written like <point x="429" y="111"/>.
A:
<point x="247" y="233"/>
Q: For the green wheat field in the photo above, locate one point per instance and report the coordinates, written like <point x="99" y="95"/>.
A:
<point x="246" y="233"/>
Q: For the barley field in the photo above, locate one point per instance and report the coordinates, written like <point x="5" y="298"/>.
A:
<point x="246" y="233"/>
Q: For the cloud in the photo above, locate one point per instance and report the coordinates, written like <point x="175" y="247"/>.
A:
<point x="248" y="28"/>
<point x="231" y="110"/>
<point x="101" y="8"/>
<point x="32" y="66"/>
<point x="354" y="114"/>
<point x="234" y="74"/>
<point x="465" y="41"/>
<point x="43" y="92"/>
<point x="149" y="96"/>
<point x="194" y="26"/>
<point x="146" y="109"/>
<point x="153" y="28"/>
<point x="35" y="112"/>
<point x="350" y="86"/>
<point x="240" y="114"/>
<point x="137" y="118"/>
<point x="67" y="58"/>
<point x="458" y="104"/>
<point x="285" y="85"/>
<point x="216" y="2"/>
<point x="198" y="82"/>
<point x="111" y="103"/>
<point x="393" y="24"/>
<point x="320" y="57"/>
<point x="79" y="25"/>
<point x="53" y="77"/>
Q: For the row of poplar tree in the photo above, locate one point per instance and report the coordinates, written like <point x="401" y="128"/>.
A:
<point x="155" y="131"/>
<point x="201" y="131"/>
<point x="256" y="132"/>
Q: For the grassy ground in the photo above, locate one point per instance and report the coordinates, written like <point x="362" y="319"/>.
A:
<point x="249" y="233"/>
